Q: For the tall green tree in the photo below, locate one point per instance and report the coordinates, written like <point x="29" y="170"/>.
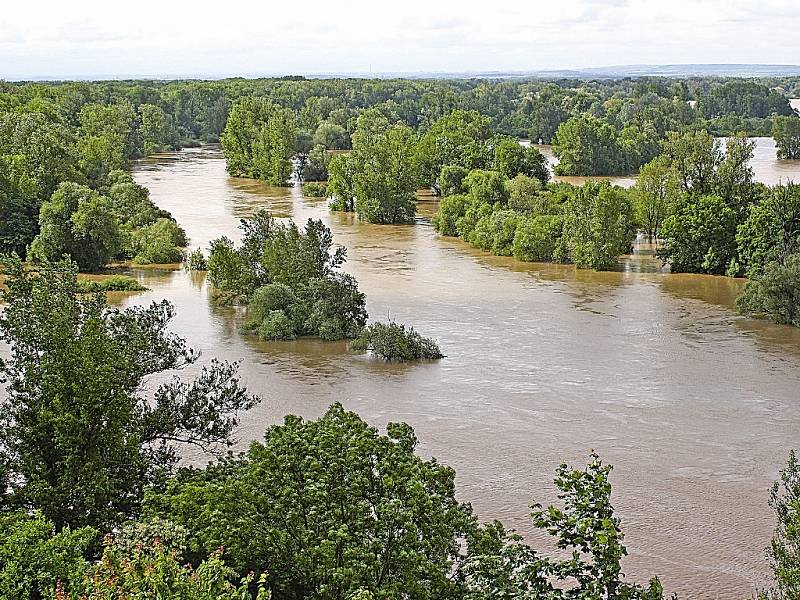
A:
<point x="652" y="195"/>
<point x="512" y="159"/>
<point x="258" y="140"/>
<point x="384" y="172"/>
<point x="79" y="222"/>
<point x="459" y="138"/>
<point x="81" y="437"/>
<point x="597" y="226"/>
<point x="587" y="145"/>
<point x="786" y="131"/>
<point x="700" y="236"/>
<point x="327" y="508"/>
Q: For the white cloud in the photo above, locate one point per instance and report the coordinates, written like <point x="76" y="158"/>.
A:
<point x="152" y="38"/>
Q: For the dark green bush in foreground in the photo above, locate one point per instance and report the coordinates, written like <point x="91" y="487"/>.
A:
<point x="393" y="342"/>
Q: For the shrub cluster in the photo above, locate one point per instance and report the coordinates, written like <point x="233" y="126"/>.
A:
<point x="393" y="342"/>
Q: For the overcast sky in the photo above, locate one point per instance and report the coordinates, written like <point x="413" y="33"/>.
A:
<point x="85" y="38"/>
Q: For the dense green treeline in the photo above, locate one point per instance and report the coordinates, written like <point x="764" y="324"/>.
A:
<point x="80" y="132"/>
<point x="698" y="199"/>
<point x="93" y="505"/>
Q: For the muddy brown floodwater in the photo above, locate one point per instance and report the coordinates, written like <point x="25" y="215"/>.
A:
<point x="695" y="406"/>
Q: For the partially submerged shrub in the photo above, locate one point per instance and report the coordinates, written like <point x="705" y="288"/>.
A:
<point x="160" y="243"/>
<point x="315" y="189"/>
<point x="775" y="294"/>
<point x="276" y="326"/>
<point x="196" y="261"/>
<point x="536" y="238"/>
<point x="115" y="283"/>
<point x="393" y="342"/>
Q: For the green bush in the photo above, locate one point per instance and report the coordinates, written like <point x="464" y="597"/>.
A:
<point x="393" y="342"/>
<point x="33" y="559"/>
<point x="700" y="237"/>
<point x="276" y="326"/>
<point x="496" y="232"/>
<point x="536" y="238"/>
<point x="196" y="261"/>
<point x="336" y="308"/>
<point x="775" y="294"/>
<point x="160" y="242"/>
<point x="155" y="570"/>
<point x="267" y="299"/>
<point x="451" y="180"/>
<point x="115" y="283"/>
<point x="451" y="209"/>
<point x="315" y="189"/>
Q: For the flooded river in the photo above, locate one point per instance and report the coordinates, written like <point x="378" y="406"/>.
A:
<point x="695" y="406"/>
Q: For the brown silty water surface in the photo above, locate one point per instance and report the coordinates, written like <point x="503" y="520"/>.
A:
<point x="695" y="406"/>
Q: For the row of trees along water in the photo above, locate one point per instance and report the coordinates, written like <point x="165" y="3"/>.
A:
<point x="697" y="196"/>
<point x="81" y="132"/>
<point x="94" y="506"/>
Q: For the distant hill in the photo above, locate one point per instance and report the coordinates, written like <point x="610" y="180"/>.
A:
<point x="612" y="72"/>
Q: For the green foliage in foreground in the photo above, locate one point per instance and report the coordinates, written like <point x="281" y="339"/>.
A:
<point x="79" y="439"/>
<point x="394" y="342"/>
<point x="331" y="507"/>
<point x="328" y="507"/>
<point x="115" y="283"/>
<point x="784" y="550"/>
<point x="154" y="570"/>
<point x="34" y="559"/>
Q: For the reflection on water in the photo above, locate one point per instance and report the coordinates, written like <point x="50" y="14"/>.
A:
<point x="695" y="406"/>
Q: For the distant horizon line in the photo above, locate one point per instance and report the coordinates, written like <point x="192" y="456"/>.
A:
<point x="667" y="70"/>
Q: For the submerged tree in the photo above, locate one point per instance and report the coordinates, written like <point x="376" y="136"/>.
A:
<point x="79" y="437"/>
<point x="394" y="342"/>
<point x="259" y="139"/>
<point x="786" y="131"/>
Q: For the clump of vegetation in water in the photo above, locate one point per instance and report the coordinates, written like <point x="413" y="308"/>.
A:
<point x="396" y="343"/>
<point x="115" y="283"/>
<point x="589" y="226"/>
<point x="115" y="221"/>
<point x="315" y="189"/>
<point x="196" y="261"/>
<point x="775" y="293"/>
<point x="289" y="278"/>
